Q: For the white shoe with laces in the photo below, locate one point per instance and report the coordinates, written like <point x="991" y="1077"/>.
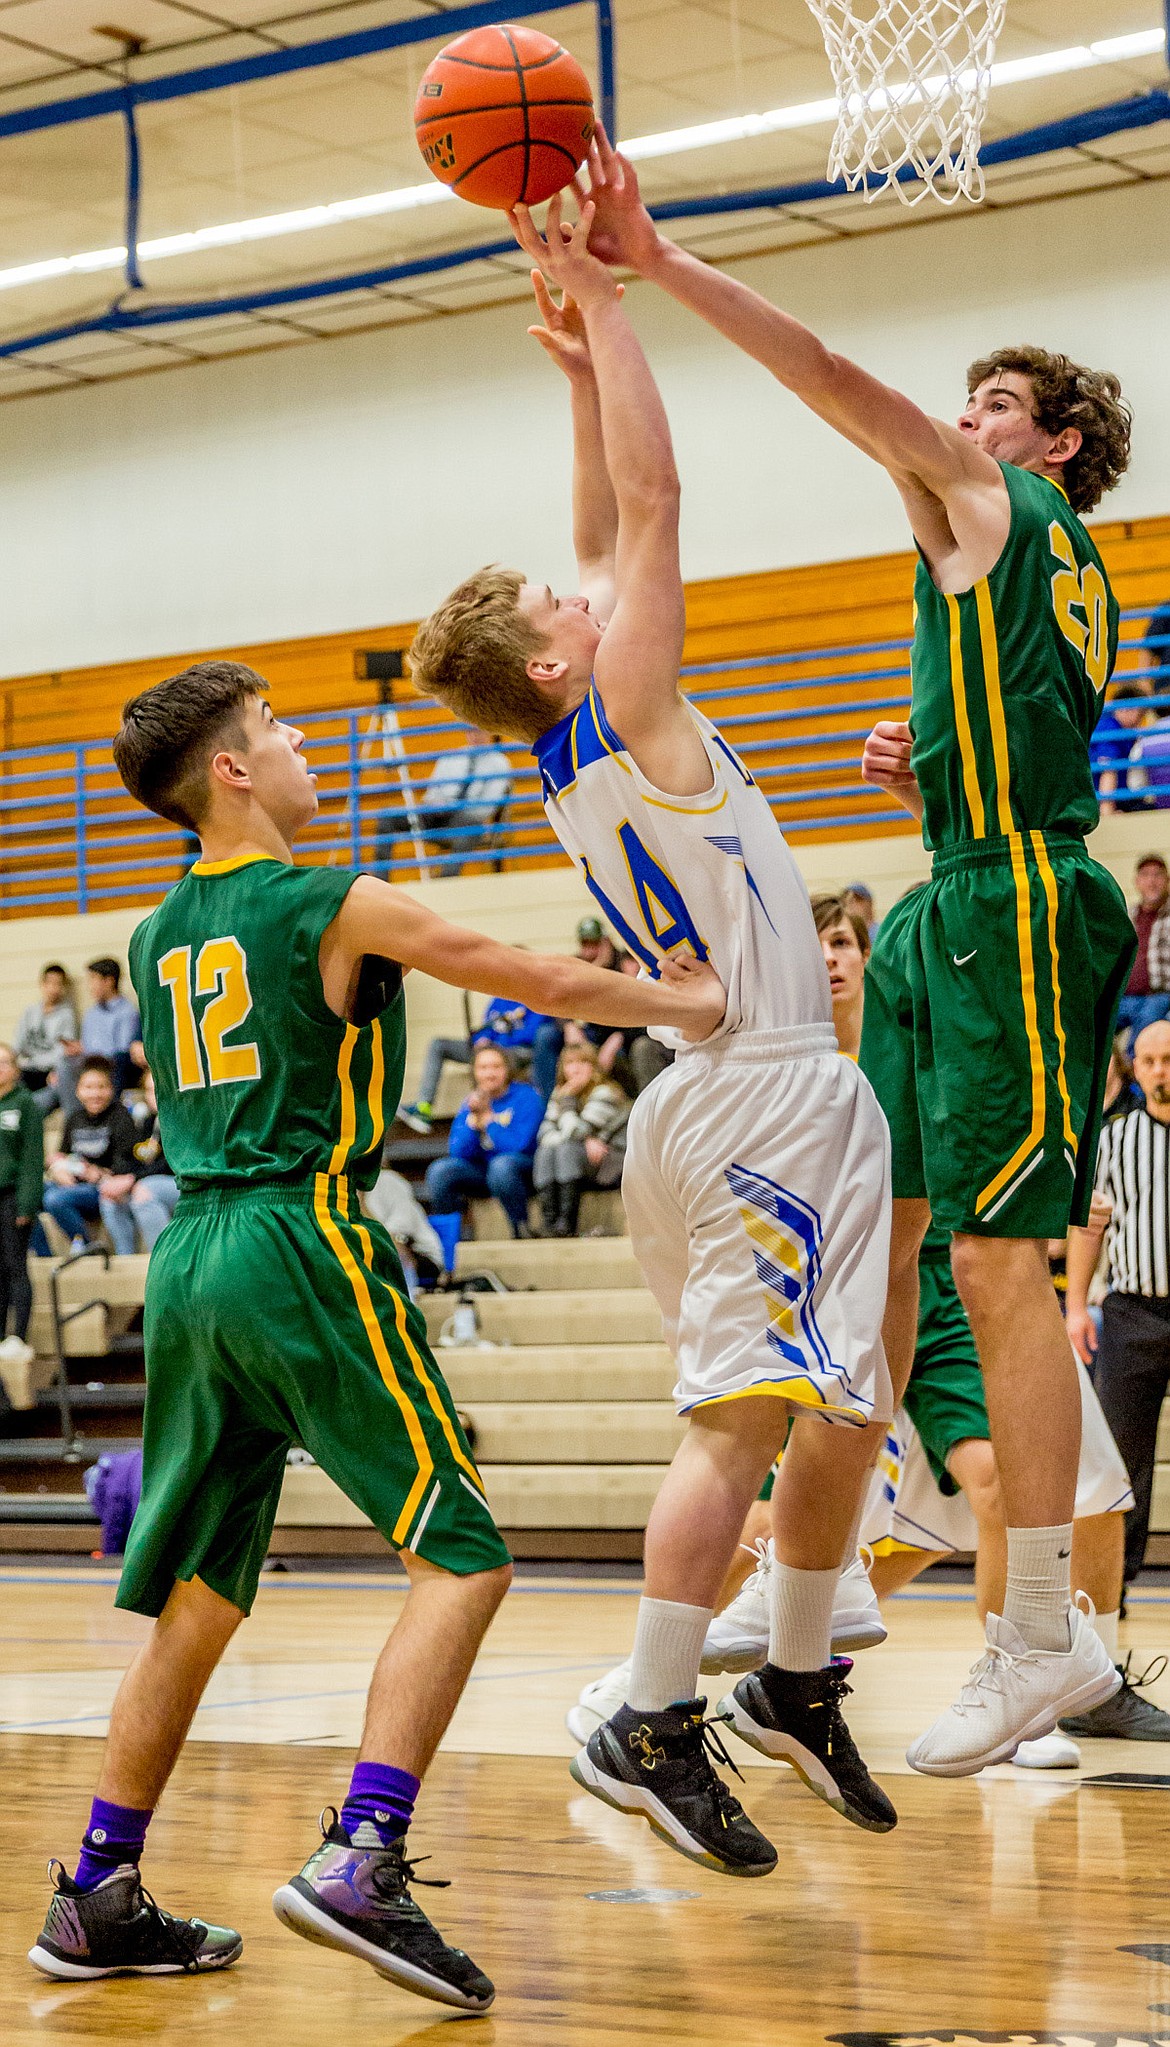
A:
<point x="598" y="1702"/>
<point x="737" y="1638"/>
<point x="1014" y="1694"/>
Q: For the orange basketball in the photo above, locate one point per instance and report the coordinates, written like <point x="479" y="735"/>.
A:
<point x="504" y="116"/>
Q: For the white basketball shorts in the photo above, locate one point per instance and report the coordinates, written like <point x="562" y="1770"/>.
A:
<point x="906" y="1510"/>
<point x="757" y="1188"/>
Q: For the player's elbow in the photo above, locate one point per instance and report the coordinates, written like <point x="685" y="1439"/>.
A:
<point x="653" y="498"/>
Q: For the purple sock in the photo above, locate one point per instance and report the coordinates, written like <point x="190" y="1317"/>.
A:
<point x="382" y="1798"/>
<point x="115" y="1835"/>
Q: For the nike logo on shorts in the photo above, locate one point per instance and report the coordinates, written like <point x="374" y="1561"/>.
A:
<point x="966" y="956"/>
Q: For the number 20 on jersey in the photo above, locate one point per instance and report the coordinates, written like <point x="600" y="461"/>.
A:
<point x="221" y="971"/>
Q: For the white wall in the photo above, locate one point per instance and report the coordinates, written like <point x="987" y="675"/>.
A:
<point x="351" y="483"/>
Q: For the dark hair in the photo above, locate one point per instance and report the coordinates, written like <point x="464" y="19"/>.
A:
<point x="54" y="967"/>
<point x="96" y="1062"/>
<point x="830" y="910"/>
<point x="1150" y="860"/>
<point x="1065" y="394"/>
<point x="169" y="733"/>
<point x="501" y="1053"/>
<point x="107" y="968"/>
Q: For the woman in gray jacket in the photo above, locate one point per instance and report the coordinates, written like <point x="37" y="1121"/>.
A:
<point x="581" y="1141"/>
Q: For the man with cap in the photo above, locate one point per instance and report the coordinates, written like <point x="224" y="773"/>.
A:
<point x="596" y="947"/>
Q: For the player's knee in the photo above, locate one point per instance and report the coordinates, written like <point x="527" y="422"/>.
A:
<point x="972" y="1466"/>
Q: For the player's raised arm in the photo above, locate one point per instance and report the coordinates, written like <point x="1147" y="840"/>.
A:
<point x="595" y="513"/>
<point x="879" y="420"/>
<point x="638" y="661"/>
<point x="377" y="919"/>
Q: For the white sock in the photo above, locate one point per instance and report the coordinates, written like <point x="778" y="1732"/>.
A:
<point x="1039" y="1589"/>
<point x="668" y="1646"/>
<point x="800" y="1620"/>
<point x="1105" y="1626"/>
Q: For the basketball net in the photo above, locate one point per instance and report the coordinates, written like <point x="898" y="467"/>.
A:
<point x="912" y="78"/>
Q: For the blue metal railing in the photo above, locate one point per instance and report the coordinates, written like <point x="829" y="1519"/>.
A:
<point x="71" y="838"/>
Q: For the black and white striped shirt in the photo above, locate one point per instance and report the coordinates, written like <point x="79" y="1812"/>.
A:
<point x="1133" y="1169"/>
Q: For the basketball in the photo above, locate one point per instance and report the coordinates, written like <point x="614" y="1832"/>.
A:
<point x="504" y="116"/>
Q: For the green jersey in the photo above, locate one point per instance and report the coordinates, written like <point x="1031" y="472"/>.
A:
<point x="258" y="1080"/>
<point x="1009" y="679"/>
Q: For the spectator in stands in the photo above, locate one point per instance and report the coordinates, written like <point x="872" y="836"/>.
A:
<point x="155" y="1194"/>
<point x="93" y="1173"/>
<point x="22" y="1167"/>
<point x="507" y="1024"/>
<point x="637" y="1058"/>
<point x="47" y="1032"/>
<point x="111" y="1027"/>
<point x="1120" y="785"/>
<point x="1142" y="1003"/>
<point x="581" y="1141"/>
<point x="491" y="1145"/>
<point x="1122" y="1092"/>
<point x="1133" y="1362"/>
<point x="858" y="902"/>
<point x="1150" y="755"/>
<point x="466" y="790"/>
<point x="595" y="945"/>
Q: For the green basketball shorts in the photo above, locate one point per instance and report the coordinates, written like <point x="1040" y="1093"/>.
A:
<point x="944" y="1398"/>
<point x="989" y="1010"/>
<point x="277" y="1316"/>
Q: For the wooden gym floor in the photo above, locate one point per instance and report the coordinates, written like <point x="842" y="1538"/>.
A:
<point x="1004" y="1905"/>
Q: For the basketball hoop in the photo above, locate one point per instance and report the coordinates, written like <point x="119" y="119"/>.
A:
<point x="912" y="78"/>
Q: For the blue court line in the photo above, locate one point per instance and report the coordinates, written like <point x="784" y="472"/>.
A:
<point x="296" y="1698"/>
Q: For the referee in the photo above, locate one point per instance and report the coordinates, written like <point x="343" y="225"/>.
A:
<point x="1133" y="1365"/>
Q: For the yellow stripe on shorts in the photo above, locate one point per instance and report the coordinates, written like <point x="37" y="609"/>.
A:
<point x="385" y="1363"/>
<point x="1049" y="879"/>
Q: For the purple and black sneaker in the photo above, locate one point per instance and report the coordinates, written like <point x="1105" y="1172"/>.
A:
<point x="117" y="1930"/>
<point x="355" y="1895"/>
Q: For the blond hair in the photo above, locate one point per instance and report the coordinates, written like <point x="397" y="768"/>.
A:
<point x="473" y="654"/>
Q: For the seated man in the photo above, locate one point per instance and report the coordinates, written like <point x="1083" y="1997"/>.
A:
<point x="492" y="1142"/>
<point x="155" y="1194"/>
<point x="111" y="1027"/>
<point x="46" y="1032"/>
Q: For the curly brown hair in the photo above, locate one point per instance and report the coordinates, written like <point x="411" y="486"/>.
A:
<point x="1066" y="394"/>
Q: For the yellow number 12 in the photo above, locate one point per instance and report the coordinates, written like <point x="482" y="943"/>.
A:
<point x="221" y="971"/>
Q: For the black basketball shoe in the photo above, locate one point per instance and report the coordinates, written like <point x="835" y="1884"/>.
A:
<point x="118" y="1930"/>
<point x="355" y="1895"/>
<point x="659" y="1766"/>
<point x="795" y="1717"/>
<point x="1125" y="1717"/>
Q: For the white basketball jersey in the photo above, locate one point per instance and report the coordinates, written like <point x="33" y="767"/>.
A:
<point x="710" y="872"/>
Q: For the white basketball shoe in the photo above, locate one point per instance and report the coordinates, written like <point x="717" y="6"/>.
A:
<point x="1014" y="1694"/>
<point x="737" y="1638"/>
<point x="598" y="1702"/>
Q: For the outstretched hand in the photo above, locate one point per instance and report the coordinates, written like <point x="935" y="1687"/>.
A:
<point x="622" y="231"/>
<point x="563" y="335"/>
<point x="562" y="253"/>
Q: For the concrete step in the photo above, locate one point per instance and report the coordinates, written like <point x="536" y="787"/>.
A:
<point x="553" y="1262"/>
<point x="521" y="1496"/>
<point x="574" y="1432"/>
<point x="601" y="1314"/>
<point x="549" y="1372"/>
<point x="601" y="1209"/>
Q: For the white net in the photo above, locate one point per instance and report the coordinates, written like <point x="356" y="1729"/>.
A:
<point x="912" y="79"/>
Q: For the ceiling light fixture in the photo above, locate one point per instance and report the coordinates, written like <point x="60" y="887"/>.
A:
<point x="672" y="142"/>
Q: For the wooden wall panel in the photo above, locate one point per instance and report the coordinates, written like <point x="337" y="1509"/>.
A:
<point x="828" y="605"/>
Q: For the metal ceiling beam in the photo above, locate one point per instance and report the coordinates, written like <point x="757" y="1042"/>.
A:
<point x="1119" y="117"/>
<point x="366" y="42"/>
